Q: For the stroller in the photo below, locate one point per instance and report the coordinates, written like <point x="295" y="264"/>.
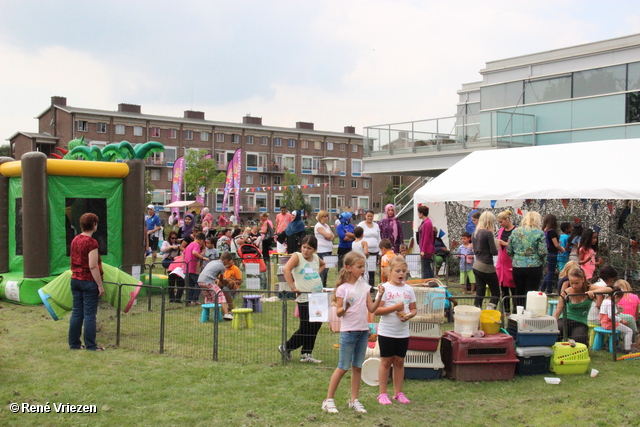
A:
<point x="249" y="254"/>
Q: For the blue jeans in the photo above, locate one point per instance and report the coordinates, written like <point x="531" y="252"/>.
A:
<point x="427" y="268"/>
<point x="325" y="273"/>
<point x="85" y="307"/>
<point x="548" y="282"/>
<point x="193" y="291"/>
<point x="353" y="347"/>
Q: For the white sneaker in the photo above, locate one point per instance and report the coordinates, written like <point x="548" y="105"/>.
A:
<point x="357" y="406"/>
<point x="285" y="353"/>
<point x="228" y="316"/>
<point x="491" y="306"/>
<point x="328" y="405"/>
<point x="308" y="358"/>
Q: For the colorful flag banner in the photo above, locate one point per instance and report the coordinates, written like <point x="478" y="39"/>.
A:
<point x="176" y="184"/>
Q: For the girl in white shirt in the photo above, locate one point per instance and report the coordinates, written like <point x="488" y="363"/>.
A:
<point x="325" y="237"/>
<point x="371" y="235"/>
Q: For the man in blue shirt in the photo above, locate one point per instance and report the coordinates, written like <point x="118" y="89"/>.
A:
<point x="154" y="231"/>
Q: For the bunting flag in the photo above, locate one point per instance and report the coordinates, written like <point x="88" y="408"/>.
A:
<point x="441" y="234"/>
<point x="596" y="229"/>
<point x="565" y="203"/>
<point x="475" y="204"/>
<point x="542" y="202"/>
<point x="200" y="196"/>
<point x="610" y="206"/>
<point x="519" y="211"/>
<point x="176" y="184"/>
<point x="595" y="209"/>
<point x="493" y="204"/>
<point x="233" y="181"/>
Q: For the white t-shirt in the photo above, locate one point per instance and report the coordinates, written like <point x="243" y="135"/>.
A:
<point x="355" y="318"/>
<point x="390" y="324"/>
<point x="324" y="245"/>
<point x="356" y="246"/>
<point x="371" y="235"/>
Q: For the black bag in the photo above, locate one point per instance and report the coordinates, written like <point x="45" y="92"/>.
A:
<point x="269" y="234"/>
<point x="281" y="238"/>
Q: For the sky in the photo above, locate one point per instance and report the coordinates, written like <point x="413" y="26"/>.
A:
<point x="334" y="63"/>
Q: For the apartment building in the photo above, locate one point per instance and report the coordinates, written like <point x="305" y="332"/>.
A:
<point x="268" y="152"/>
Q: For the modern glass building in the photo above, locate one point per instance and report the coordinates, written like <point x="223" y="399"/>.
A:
<point x="582" y="93"/>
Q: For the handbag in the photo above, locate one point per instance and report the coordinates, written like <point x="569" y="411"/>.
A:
<point x="269" y="234"/>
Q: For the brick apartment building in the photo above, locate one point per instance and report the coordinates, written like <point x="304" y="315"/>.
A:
<point x="267" y="152"/>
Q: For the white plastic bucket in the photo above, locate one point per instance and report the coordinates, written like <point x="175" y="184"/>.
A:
<point x="537" y="302"/>
<point x="466" y="320"/>
<point x="370" y="371"/>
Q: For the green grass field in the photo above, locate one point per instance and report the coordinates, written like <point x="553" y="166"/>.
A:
<point x="135" y="385"/>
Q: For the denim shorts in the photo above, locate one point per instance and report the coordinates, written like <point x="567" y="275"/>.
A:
<point x="353" y="346"/>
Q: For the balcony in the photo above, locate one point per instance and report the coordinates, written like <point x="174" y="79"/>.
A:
<point x="436" y="144"/>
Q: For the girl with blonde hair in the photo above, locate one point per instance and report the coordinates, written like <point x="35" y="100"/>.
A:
<point x="484" y="248"/>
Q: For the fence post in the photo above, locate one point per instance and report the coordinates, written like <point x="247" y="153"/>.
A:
<point x="215" y="327"/>
<point x="284" y="324"/>
<point x="162" y="318"/>
<point x="118" y="315"/>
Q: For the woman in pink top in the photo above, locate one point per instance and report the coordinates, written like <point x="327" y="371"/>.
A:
<point x="629" y="302"/>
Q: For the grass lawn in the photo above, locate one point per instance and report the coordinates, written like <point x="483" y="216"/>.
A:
<point x="142" y="387"/>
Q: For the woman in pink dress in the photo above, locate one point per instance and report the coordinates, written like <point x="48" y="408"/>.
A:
<point x="504" y="267"/>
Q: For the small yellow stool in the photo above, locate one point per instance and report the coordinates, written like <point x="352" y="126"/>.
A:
<point x="244" y="312"/>
<point x="592" y="334"/>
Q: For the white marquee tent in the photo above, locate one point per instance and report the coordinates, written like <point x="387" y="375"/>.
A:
<point x="506" y="177"/>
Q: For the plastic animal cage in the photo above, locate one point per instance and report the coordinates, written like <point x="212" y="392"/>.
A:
<point x="423" y="329"/>
<point x="569" y="360"/>
<point x="533" y="360"/>
<point x="533" y="331"/>
<point x="489" y="358"/>
<point x="430" y="304"/>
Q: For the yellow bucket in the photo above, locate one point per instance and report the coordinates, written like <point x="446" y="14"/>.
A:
<point x="490" y="321"/>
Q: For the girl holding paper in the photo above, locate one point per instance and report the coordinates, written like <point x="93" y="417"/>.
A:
<point x="353" y="301"/>
<point x="302" y="273"/>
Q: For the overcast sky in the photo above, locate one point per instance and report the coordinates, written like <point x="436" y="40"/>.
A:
<point x="334" y="63"/>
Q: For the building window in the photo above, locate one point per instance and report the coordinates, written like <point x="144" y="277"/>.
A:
<point x="137" y="130"/>
<point x="154" y="132"/>
<point x="219" y="137"/>
<point x="248" y="139"/>
<point x="502" y="95"/>
<point x="356" y="167"/>
<point x="341" y="183"/>
<point x="304" y="180"/>
<point x="599" y="81"/>
<point x="329" y="146"/>
<point x="547" y="90"/>
<point x="188" y="135"/>
<point x="154" y="174"/>
<point x="354" y="183"/>
<point x="317" y="181"/>
<point x="277" y="142"/>
<point x="264" y="179"/>
<point x="304" y="144"/>
<point x="343" y="146"/>
<point x="317" y="145"/>
<point x="249" y="179"/>
<point x="101" y="127"/>
<point x="264" y="140"/>
<point x="396" y="181"/>
<point x="354" y="148"/>
<point x="204" y="136"/>
<point x="119" y="129"/>
<point x="277" y="201"/>
<point x="82" y="125"/>
<point x="291" y="143"/>
<point x="633" y="107"/>
<point x="170" y="174"/>
<point x="314" y="201"/>
<point x="277" y="180"/>
<point x="173" y="133"/>
<point x="365" y="183"/>
<point x="235" y="138"/>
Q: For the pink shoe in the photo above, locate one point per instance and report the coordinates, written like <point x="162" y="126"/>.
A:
<point x="384" y="399"/>
<point x="400" y="397"/>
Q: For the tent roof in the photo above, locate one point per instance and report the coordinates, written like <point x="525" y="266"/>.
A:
<point x="587" y="170"/>
<point x="185" y="203"/>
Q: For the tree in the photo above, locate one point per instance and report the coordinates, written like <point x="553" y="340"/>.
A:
<point x="5" y="150"/>
<point x="200" y="171"/>
<point x="292" y="198"/>
<point x="390" y="194"/>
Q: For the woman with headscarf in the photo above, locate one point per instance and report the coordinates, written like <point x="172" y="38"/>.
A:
<point x="391" y="228"/>
<point x="345" y="233"/>
<point x="295" y="232"/>
<point x="187" y="227"/>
